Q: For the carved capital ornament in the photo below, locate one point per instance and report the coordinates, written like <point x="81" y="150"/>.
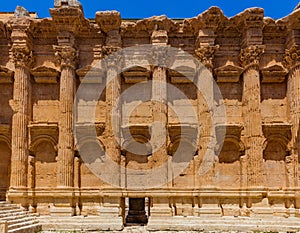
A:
<point x="22" y="56"/>
<point x="251" y="55"/>
<point x="66" y="56"/>
<point x="206" y="55"/>
<point x="292" y="57"/>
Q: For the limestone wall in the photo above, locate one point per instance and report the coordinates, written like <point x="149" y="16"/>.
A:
<point x="253" y="60"/>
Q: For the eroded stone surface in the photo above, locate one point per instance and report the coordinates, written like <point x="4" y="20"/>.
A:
<point x="255" y="63"/>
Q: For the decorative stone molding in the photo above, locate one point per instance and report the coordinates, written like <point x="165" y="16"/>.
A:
<point x="85" y="130"/>
<point x="108" y="20"/>
<point x="149" y="25"/>
<point x="159" y="37"/>
<point x="274" y="74"/>
<point x="22" y="56"/>
<point x="212" y="18"/>
<point x="251" y="55"/>
<point x="98" y="53"/>
<point x="182" y="75"/>
<point x="228" y="73"/>
<point x="43" y="131"/>
<point x="137" y="136"/>
<point x="45" y="74"/>
<point x="182" y="134"/>
<point x="283" y="129"/>
<point x="66" y="56"/>
<point x="233" y="133"/>
<point x="206" y="55"/>
<point x="68" y="16"/>
<point x="136" y="75"/>
<point x="292" y="56"/>
<point x="108" y="50"/>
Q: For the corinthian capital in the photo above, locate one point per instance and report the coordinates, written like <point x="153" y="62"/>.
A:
<point x="292" y="56"/>
<point x="66" y="56"/>
<point x="251" y="55"/>
<point x="206" y="55"/>
<point x="22" y="56"/>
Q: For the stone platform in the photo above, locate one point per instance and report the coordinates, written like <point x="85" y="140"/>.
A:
<point x="175" y="224"/>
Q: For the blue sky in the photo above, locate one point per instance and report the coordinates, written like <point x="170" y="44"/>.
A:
<point x="172" y="8"/>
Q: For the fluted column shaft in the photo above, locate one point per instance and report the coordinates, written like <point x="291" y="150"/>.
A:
<point x="67" y="56"/>
<point x="19" y="159"/>
<point x="66" y="141"/>
<point x="113" y="91"/>
<point x="159" y="113"/>
<point x="293" y="96"/>
<point x="113" y="111"/>
<point x="253" y="127"/>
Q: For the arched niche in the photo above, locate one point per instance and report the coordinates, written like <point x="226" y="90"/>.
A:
<point x="274" y="157"/>
<point x="90" y="152"/>
<point x="228" y="168"/>
<point x="44" y="151"/>
<point x="5" y="158"/>
<point x="182" y="150"/>
<point x="136" y="151"/>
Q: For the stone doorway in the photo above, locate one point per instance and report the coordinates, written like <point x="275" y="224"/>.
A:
<point x="137" y="211"/>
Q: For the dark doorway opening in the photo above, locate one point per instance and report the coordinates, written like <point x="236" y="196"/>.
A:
<point x="136" y="212"/>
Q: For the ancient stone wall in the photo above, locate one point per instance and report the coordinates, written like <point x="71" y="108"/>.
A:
<point x="254" y="61"/>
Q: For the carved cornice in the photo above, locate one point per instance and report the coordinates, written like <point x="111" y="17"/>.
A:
<point x="292" y="57"/>
<point x="212" y="18"/>
<point x="251" y="55"/>
<point x="251" y="17"/>
<point x="147" y="26"/>
<point x="108" y="20"/>
<point x="68" y="18"/>
<point x="22" y="56"/>
<point x="206" y="55"/>
<point x="66" y="55"/>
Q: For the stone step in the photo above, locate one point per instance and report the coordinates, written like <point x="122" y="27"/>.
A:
<point x="20" y="220"/>
<point x="81" y="223"/>
<point x="27" y="229"/>
<point x="16" y="213"/>
<point x="22" y="224"/>
<point x="185" y="224"/>
<point x="11" y="211"/>
<point x="7" y="208"/>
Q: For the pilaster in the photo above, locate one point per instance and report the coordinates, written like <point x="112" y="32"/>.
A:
<point x="292" y="62"/>
<point x="110" y="22"/>
<point x="21" y="52"/>
<point x="253" y="135"/>
<point x="66" y="56"/>
<point x="159" y="40"/>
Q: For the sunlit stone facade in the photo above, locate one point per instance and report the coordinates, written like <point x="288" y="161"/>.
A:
<point x="255" y="62"/>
